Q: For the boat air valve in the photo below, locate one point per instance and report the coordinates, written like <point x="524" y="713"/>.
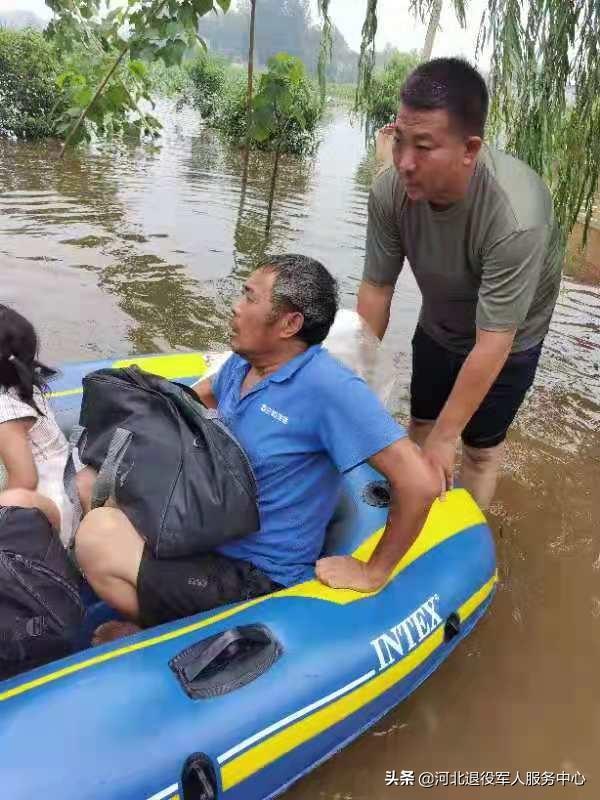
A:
<point x="198" y="779"/>
<point x="452" y="627"/>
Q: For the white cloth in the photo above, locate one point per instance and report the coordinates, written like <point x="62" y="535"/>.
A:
<point x="49" y="448"/>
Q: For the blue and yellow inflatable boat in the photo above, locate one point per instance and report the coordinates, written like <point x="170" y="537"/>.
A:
<point x="240" y="702"/>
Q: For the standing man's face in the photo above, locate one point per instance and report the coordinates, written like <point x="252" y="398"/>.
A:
<point x="434" y="159"/>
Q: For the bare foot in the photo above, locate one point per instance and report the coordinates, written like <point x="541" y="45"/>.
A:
<point x="115" y="629"/>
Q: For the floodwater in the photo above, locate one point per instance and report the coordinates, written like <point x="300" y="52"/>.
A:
<point x="142" y="249"/>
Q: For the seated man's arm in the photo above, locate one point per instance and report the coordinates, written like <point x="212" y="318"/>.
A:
<point x="204" y="390"/>
<point x="414" y="486"/>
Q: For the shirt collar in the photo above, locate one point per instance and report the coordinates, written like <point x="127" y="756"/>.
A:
<point x="289" y="368"/>
<point x="294" y="364"/>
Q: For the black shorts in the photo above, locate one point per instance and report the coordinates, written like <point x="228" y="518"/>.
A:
<point x="434" y="372"/>
<point x="173" y="588"/>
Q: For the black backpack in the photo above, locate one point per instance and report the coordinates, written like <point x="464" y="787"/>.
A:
<point x="176" y="472"/>
<point x="40" y="606"/>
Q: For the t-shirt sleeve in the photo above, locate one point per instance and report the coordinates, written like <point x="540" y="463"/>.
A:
<point x="12" y="408"/>
<point x="354" y="424"/>
<point x="220" y="380"/>
<point x="384" y="253"/>
<point x="510" y="275"/>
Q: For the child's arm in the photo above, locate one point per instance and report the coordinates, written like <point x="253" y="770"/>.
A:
<point x="15" y="453"/>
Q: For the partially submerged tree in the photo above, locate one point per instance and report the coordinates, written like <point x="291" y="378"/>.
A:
<point x="134" y="33"/>
<point x="250" y="66"/>
<point x="281" y="103"/>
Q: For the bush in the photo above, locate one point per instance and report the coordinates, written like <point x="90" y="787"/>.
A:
<point x="172" y="81"/>
<point x="43" y="92"/>
<point x="208" y="74"/>
<point x="28" y="91"/>
<point x="220" y="91"/>
<point x="286" y="108"/>
<point x="381" y="105"/>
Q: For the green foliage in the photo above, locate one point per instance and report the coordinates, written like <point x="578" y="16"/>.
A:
<point x="116" y="111"/>
<point x="209" y="77"/>
<point x="366" y="59"/>
<point x="545" y="79"/>
<point x="156" y="30"/>
<point x="381" y="105"/>
<point x="286" y="109"/>
<point x="172" y="81"/>
<point x="341" y="94"/>
<point x="28" y="92"/>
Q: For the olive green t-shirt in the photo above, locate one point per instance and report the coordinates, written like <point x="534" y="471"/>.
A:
<point x="492" y="260"/>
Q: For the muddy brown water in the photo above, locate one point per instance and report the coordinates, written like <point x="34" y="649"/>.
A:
<point x="142" y="249"/>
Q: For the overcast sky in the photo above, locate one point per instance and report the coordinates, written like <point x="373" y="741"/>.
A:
<point x="396" y="25"/>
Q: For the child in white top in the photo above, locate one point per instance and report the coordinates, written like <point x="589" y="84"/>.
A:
<point x="33" y="449"/>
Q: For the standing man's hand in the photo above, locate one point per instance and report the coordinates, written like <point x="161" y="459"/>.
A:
<point x="440" y="453"/>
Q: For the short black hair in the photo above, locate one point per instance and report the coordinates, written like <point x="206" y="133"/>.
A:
<point x="451" y="84"/>
<point x="303" y="284"/>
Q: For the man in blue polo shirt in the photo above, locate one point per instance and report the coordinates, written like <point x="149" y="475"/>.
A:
<point x="303" y="419"/>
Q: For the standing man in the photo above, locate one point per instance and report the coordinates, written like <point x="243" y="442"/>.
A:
<point x="477" y="227"/>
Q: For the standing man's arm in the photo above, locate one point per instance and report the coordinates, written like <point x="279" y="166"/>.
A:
<point x="510" y="275"/>
<point x="414" y="486"/>
<point x="384" y="255"/>
<point x="374" y="303"/>
<point x="475" y="379"/>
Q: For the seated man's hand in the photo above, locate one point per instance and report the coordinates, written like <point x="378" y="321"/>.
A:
<point x="346" y="572"/>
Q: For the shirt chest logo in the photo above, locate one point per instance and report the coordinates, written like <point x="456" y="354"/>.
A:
<point x="270" y="412"/>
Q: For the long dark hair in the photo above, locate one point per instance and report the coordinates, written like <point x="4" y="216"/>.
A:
<point x="19" y="366"/>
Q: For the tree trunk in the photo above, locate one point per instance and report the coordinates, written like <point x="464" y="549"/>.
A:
<point x="434" y="23"/>
<point x="250" y="71"/>
<point x="273" y="182"/>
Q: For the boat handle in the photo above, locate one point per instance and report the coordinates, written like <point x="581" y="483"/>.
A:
<point x="198" y="780"/>
<point x="452" y="627"/>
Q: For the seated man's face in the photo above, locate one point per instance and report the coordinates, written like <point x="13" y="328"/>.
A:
<point x="255" y="328"/>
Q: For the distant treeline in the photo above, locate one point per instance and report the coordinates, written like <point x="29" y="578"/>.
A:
<point x="281" y="26"/>
<point x="21" y="19"/>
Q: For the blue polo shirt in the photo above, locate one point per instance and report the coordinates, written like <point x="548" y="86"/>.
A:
<point x="301" y="427"/>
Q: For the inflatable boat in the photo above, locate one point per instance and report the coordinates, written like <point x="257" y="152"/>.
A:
<point x="240" y="702"/>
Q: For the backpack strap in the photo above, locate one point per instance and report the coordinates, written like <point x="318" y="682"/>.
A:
<point x="76" y="440"/>
<point x="104" y="487"/>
